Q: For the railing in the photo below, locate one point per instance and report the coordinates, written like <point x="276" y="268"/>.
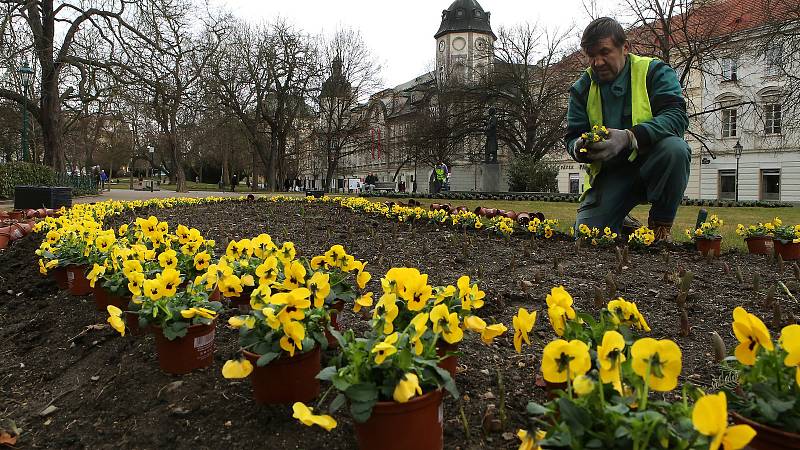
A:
<point x="80" y="184"/>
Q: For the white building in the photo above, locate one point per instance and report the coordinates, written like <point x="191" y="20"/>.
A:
<point x="738" y="97"/>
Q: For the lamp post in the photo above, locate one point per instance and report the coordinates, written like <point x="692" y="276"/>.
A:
<point x="151" y="150"/>
<point x="737" y="151"/>
<point x="26" y="75"/>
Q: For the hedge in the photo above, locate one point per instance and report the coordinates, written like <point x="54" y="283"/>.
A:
<point x="561" y="197"/>
<point x="26" y="174"/>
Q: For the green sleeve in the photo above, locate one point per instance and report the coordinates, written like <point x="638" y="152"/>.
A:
<point x="667" y="104"/>
<point x="577" y="118"/>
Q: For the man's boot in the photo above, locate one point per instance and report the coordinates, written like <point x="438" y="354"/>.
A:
<point x="630" y="224"/>
<point x="661" y="230"/>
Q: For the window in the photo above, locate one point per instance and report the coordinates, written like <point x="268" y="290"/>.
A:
<point x="772" y="118"/>
<point x="770" y="184"/>
<point x="773" y="60"/>
<point x="729" y="67"/>
<point x="729" y="116"/>
<point x="574" y="183"/>
<point x="727" y="184"/>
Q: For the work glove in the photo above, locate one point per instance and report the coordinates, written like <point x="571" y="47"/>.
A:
<point x="576" y="150"/>
<point x="618" y="141"/>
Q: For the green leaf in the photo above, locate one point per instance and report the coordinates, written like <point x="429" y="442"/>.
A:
<point x="337" y="403"/>
<point x="619" y="408"/>
<point x="266" y="358"/>
<point x="574" y="416"/>
<point x="536" y="409"/>
<point x="340" y="383"/>
<point x="363" y="392"/>
<point x="327" y="373"/>
<point x="449" y="383"/>
<point x="361" y="410"/>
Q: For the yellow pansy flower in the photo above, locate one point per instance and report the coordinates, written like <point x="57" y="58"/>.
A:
<point x="235" y="369"/>
<point x="168" y="259"/>
<point x="115" y="319"/>
<point x="406" y="388"/>
<point x="523" y="324"/>
<point x="752" y="334"/>
<point x="559" y="308"/>
<point x="446" y="323"/>
<point x="530" y="442"/>
<point x="658" y="362"/>
<point x="562" y="360"/>
<point x="295" y="274"/>
<point x="305" y="415"/>
<point x="790" y="341"/>
<point x="170" y="279"/>
<point x="364" y="301"/>
<point x="385" y="348"/>
<point x="202" y="260"/>
<point x="319" y="285"/>
<point x="293" y="337"/>
<point x="583" y="385"/>
<point x="710" y="418"/>
<point x="610" y="356"/>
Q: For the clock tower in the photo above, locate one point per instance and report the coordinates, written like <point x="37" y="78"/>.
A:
<point x="463" y="43"/>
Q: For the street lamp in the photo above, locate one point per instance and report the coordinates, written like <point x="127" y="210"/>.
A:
<point x="151" y="150"/>
<point x="737" y="151"/>
<point x="26" y="75"/>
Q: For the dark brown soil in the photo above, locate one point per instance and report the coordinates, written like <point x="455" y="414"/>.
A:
<point x="110" y="393"/>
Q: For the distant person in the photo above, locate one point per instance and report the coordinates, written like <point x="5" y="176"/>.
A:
<point x="103" y="180"/>
<point x="440" y="176"/>
<point x="402" y="186"/>
<point x="234" y="182"/>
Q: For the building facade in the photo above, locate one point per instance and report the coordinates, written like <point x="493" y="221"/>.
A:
<point x="462" y="49"/>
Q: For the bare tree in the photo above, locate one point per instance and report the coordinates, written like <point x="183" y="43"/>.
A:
<point x="351" y="75"/>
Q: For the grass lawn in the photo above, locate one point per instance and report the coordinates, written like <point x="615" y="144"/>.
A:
<point x="687" y="215"/>
<point x="125" y="184"/>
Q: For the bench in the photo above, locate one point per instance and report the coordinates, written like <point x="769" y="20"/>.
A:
<point x="315" y="193"/>
<point x="388" y="186"/>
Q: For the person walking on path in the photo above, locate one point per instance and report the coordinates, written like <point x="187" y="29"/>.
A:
<point x="234" y="182"/>
<point x="644" y="158"/>
<point x="103" y="180"/>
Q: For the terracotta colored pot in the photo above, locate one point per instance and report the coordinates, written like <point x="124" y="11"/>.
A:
<point x="768" y="438"/>
<point x="242" y="302"/>
<point x="450" y="363"/>
<point x="709" y="245"/>
<point x="215" y="295"/>
<point x="416" y="424"/>
<point x="103" y="297"/>
<point x="761" y="245"/>
<point x="24" y="227"/>
<point x="59" y="275"/>
<point x="788" y="251"/>
<point x="336" y="308"/>
<point x="460" y="209"/>
<point x="182" y="355"/>
<point x="132" y="322"/>
<point x="479" y="211"/>
<point x="41" y="213"/>
<point x="511" y="215"/>
<point x="523" y="218"/>
<point x="29" y="213"/>
<point x="435" y="206"/>
<point x="14" y="231"/>
<point x="76" y="280"/>
<point x="3" y="215"/>
<point x="286" y="379"/>
<point x="16" y="215"/>
<point x="5" y="238"/>
<point x="490" y="212"/>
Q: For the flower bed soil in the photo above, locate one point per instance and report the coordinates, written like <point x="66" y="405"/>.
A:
<point x="55" y="348"/>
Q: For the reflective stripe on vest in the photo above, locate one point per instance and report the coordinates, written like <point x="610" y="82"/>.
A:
<point x="640" y="108"/>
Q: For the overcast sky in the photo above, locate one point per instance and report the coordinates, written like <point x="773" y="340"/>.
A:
<point x="400" y="32"/>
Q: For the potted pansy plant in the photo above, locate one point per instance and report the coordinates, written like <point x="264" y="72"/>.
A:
<point x="767" y="396"/>
<point x="607" y="404"/>
<point x="758" y="237"/>
<point x="181" y="316"/>
<point x="708" y="237"/>
<point x="786" y="238"/>
<point x="69" y="246"/>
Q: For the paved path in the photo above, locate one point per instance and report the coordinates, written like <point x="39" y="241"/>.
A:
<point x="129" y="194"/>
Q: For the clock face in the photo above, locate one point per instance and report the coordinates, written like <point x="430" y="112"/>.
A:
<point x="441" y="46"/>
<point x="459" y="43"/>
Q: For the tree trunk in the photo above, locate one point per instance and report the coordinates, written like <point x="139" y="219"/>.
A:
<point x="51" y="124"/>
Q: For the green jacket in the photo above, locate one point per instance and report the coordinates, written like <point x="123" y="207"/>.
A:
<point x="666" y="101"/>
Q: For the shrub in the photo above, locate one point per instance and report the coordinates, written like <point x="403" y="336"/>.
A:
<point x="527" y="174"/>
<point x="24" y="174"/>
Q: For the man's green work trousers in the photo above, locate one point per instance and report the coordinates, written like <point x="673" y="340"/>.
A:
<point x="658" y="176"/>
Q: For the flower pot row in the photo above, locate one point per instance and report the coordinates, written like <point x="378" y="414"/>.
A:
<point x="14" y="231"/>
<point x="20" y="214"/>
<point x="285" y="380"/>
<point x="766" y="245"/>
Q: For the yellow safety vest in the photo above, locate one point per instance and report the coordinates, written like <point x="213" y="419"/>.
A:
<point x="640" y="109"/>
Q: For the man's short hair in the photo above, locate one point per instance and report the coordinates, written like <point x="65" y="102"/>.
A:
<point x="599" y="29"/>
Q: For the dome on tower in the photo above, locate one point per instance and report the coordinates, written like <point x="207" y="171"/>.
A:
<point x="465" y="15"/>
